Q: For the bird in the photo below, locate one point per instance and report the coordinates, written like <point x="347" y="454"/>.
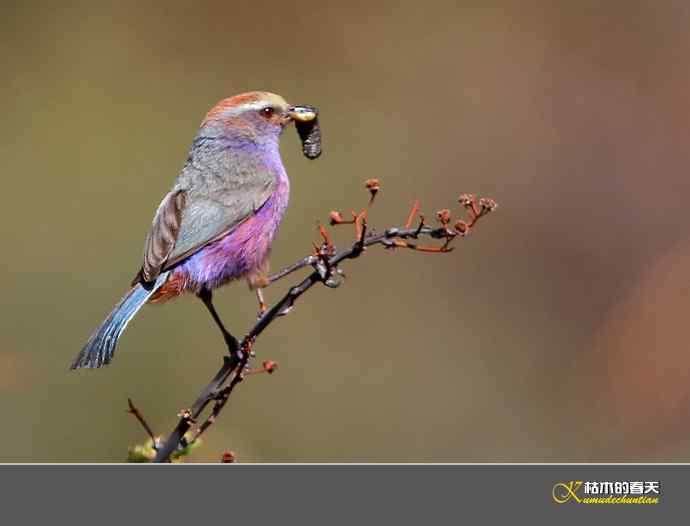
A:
<point x="218" y="221"/>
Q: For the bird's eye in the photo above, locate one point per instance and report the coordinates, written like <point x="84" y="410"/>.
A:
<point x="267" y="112"/>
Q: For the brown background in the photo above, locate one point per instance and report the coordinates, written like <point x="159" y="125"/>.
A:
<point x="558" y="331"/>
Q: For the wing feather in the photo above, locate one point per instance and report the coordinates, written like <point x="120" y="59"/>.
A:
<point x="187" y="220"/>
<point x="163" y="234"/>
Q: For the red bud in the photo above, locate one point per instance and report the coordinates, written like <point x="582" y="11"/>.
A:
<point x="269" y="366"/>
<point x="443" y="216"/>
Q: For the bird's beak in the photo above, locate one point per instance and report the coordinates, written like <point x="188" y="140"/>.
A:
<point x="302" y="113"/>
<point x="307" y="124"/>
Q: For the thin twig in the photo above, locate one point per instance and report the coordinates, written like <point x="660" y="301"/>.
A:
<point x="304" y="262"/>
<point x="413" y="212"/>
<point x="134" y="411"/>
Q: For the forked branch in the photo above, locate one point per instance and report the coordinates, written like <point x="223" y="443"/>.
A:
<point x="325" y="261"/>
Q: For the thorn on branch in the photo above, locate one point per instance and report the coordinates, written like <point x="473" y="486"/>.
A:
<point x="328" y="243"/>
<point x="413" y="212"/>
<point x="419" y="228"/>
<point x="360" y="234"/>
<point x="360" y="224"/>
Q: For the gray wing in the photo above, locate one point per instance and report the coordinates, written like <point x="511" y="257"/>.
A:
<point x="161" y="239"/>
<point x="187" y="220"/>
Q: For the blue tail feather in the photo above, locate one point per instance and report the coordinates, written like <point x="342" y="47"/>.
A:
<point x="100" y="348"/>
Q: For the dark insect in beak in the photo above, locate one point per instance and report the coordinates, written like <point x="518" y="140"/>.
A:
<point x="307" y="124"/>
<point x="310" y="133"/>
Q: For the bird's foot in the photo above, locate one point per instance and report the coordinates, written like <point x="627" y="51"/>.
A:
<point x="262" y="303"/>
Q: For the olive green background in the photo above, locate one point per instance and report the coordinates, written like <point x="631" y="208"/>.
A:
<point x="557" y="331"/>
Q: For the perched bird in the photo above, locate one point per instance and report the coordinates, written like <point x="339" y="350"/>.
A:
<point x="220" y="218"/>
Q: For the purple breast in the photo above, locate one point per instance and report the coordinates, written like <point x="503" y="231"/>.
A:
<point x="238" y="253"/>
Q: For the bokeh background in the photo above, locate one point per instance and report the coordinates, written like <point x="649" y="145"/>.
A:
<point x="557" y="332"/>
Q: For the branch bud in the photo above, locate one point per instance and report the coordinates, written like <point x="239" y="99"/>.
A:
<point x="270" y="366"/>
<point x="372" y="185"/>
<point x="228" y="457"/>
<point x="487" y="205"/>
<point x="461" y="227"/>
<point x="466" y="199"/>
<point x="443" y="216"/>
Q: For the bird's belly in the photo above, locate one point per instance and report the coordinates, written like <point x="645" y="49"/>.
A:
<point x="240" y="253"/>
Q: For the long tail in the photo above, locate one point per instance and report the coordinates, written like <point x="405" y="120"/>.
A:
<point x="100" y="348"/>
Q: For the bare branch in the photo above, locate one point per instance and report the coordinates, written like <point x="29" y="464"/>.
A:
<point x="324" y="260"/>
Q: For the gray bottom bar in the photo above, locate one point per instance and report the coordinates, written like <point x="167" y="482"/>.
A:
<point x="352" y="494"/>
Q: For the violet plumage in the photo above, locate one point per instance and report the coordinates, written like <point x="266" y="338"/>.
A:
<point x="219" y="220"/>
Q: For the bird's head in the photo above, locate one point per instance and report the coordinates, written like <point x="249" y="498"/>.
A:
<point x="258" y="116"/>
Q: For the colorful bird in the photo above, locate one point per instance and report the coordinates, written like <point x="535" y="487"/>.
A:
<point x="220" y="218"/>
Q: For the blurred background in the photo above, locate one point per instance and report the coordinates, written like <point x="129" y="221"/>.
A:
<point x="558" y="331"/>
